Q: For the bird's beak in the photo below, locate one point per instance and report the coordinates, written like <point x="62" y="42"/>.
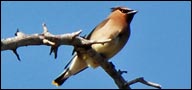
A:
<point x="132" y="12"/>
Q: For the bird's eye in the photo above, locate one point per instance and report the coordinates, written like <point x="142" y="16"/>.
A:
<point x="124" y="11"/>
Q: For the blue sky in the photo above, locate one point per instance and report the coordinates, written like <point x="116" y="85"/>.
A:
<point x="159" y="48"/>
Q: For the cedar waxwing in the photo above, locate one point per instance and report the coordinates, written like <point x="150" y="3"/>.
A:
<point x="116" y="27"/>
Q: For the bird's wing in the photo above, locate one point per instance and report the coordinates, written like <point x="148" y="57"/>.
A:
<point x="67" y="66"/>
<point x="88" y="37"/>
<point x="70" y="61"/>
<point x="98" y="27"/>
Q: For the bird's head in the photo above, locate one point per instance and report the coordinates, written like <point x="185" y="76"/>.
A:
<point x="129" y="13"/>
<point x="124" y="10"/>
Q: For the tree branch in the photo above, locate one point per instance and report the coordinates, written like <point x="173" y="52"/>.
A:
<point x="141" y="80"/>
<point x="46" y="38"/>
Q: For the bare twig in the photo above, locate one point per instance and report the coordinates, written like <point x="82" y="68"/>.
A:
<point x="15" y="52"/>
<point x="45" y="38"/>
<point x="141" y="80"/>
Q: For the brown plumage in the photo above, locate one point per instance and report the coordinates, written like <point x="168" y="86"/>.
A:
<point x="116" y="27"/>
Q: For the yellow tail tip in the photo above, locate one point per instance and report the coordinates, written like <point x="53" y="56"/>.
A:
<point x="55" y="83"/>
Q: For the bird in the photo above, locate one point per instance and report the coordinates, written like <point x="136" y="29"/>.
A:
<point x="115" y="27"/>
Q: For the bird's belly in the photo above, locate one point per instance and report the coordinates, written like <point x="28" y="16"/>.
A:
<point x="107" y="49"/>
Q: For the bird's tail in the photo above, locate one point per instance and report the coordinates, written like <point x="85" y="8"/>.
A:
<point x="76" y="65"/>
<point x="61" y="79"/>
